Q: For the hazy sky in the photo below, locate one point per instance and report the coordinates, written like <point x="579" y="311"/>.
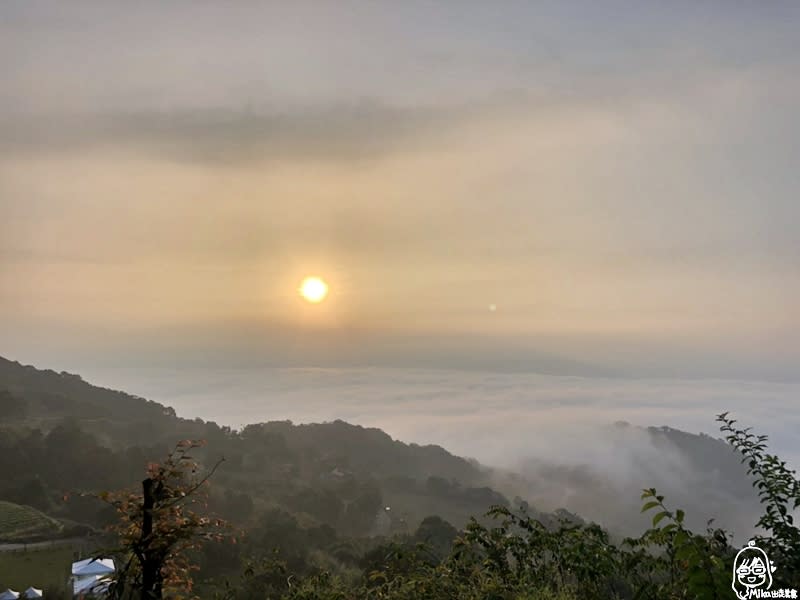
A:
<point x="619" y="179"/>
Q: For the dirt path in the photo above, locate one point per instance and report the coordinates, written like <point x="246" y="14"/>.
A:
<point x="40" y="545"/>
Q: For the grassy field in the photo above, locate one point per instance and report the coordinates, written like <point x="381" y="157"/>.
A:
<point x="22" y="523"/>
<point x="47" y="568"/>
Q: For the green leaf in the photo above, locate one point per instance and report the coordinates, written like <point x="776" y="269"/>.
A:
<point x="659" y="517"/>
<point x="649" y="505"/>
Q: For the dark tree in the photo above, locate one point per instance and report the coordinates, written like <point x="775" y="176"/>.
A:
<point x="158" y="527"/>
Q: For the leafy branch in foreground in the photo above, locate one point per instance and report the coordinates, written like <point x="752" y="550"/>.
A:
<point x="699" y="563"/>
<point x="159" y="526"/>
<point x="779" y="492"/>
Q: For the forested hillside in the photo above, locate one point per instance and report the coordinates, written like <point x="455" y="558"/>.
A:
<point x="62" y="436"/>
<point x="320" y="494"/>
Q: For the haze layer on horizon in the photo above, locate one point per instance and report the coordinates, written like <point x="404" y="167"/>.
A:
<point x="583" y="187"/>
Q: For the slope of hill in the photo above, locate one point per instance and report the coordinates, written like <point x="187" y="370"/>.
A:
<point x="49" y="394"/>
<point x="696" y="472"/>
<point x="24" y="523"/>
<point x="43" y="399"/>
<point x="64" y="435"/>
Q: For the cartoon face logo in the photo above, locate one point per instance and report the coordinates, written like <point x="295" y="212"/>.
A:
<point x="752" y="570"/>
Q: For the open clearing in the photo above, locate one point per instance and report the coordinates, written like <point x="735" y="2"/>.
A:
<point x="48" y="568"/>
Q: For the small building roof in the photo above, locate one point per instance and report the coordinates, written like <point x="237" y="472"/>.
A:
<point x="92" y="566"/>
<point x="9" y="594"/>
<point x="32" y="592"/>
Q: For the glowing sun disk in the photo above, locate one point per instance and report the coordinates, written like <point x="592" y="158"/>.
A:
<point x="313" y="289"/>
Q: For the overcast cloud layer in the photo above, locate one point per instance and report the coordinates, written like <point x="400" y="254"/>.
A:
<point x="501" y="419"/>
<point x="619" y="180"/>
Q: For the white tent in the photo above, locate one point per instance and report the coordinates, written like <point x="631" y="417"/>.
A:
<point x="32" y="592"/>
<point x="9" y="595"/>
<point x="92" y="575"/>
<point x="93" y="566"/>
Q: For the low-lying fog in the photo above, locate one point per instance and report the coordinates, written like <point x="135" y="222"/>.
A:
<point x="526" y="423"/>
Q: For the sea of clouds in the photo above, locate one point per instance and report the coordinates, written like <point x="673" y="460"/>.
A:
<point x="499" y="418"/>
<point x="551" y="429"/>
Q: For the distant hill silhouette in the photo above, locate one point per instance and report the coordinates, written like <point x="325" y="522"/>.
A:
<point x="49" y="395"/>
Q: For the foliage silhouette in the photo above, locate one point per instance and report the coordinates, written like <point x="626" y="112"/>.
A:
<point x="159" y="527"/>
<point x="518" y="557"/>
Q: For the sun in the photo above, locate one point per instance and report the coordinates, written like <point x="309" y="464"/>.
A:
<point x="313" y="289"/>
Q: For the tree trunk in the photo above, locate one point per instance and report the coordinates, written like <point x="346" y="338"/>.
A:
<point x="151" y="567"/>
